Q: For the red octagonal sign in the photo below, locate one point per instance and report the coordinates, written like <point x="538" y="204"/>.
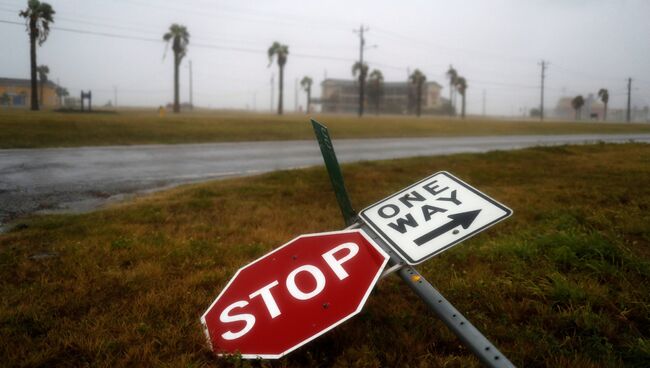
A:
<point x="294" y="294"/>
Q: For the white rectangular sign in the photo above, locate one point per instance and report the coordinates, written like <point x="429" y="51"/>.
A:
<point x="432" y="215"/>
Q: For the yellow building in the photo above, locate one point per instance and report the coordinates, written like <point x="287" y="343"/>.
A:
<point x="342" y="96"/>
<point x="17" y="93"/>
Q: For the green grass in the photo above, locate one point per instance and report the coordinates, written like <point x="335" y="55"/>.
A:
<point x="562" y="283"/>
<point x="24" y="129"/>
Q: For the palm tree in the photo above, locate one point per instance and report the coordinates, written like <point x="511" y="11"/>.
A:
<point x="417" y="78"/>
<point x="376" y="88"/>
<point x="281" y="52"/>
<point x="452" y="74"/>
<point x="603" y="93"/>
<point x="461" y="87"/>
<point x="577" y="104"/>
<point x="38" y="17"/>
<point x="5" y="99"/>
<point x="306" y="83"/>
<point x="180" y="38"/>
<point x="43" y="71"/>
<point x="362" y="70"/>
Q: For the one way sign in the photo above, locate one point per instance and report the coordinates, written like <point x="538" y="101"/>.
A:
<point x="432" y="215"/>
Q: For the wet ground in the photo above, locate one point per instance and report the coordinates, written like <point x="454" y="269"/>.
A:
<point x="81" y="179"/>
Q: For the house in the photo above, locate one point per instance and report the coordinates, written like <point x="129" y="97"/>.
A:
<point x="342" y="96"/>
<point x="593" y="109"/>
<point x="17" y="93"/>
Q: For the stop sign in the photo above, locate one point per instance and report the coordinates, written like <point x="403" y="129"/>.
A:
<point x="294" y="294"/>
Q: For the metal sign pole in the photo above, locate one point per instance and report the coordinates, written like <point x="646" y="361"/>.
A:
<point x="334" y="171"/>
<point x="469" y="335"/>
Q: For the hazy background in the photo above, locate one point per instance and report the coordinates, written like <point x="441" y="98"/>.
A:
<point x="496" y="45"/>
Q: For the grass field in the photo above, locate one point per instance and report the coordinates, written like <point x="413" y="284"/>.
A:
<point x="562" y="283"/>
<point x="24" y="129"/>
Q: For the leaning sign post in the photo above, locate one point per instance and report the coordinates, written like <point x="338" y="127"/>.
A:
<point x="427" y="237"/>
<point x="334" y="171"/>
<point x="315" y="282"/>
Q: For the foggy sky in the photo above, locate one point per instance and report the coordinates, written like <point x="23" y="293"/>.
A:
<point x="496" y="45"/>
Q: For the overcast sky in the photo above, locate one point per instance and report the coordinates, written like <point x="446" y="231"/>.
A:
<point x="496" y="45"/>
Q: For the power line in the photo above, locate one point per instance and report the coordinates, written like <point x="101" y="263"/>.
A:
<point x="261" y="51"/>
<point x="386" y="66"/>
<point x="150" y="30"/>
<point x="115" y="24"/>
<point x="452" y="48"/>
<point x="201" y="45"/>
<point x="95" y="33"/>
<point x="272" y="19"/>
<point x="93" y="23"/>
<point x="301" y="19"/>
<point x="592" y="77"/>
<point x="493" y="83"/>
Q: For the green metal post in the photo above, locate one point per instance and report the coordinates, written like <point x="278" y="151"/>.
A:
<point x="334" y="171"/>
<point x="471" y="337"/>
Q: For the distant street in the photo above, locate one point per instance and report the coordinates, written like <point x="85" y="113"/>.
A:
<point x="78" y="179"/>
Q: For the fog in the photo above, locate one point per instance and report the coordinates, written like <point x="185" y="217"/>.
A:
<point x="116" y="45"/>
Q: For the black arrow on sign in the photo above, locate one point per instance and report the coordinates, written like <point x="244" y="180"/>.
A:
<point x="463" y="219"/>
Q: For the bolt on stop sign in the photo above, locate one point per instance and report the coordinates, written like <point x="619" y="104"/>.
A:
<point x="432" y="215"/>
<point x="294" y="294"/>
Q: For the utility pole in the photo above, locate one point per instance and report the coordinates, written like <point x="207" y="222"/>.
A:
<point x="295" y="96"/>
<point x="191" y="89"/>
<point x="115" y="96"/>
<point x="362" y="77"/>
<point x="544" y="65"/>
<point x="483" y="102"/>
<point x="628" y="116"/>
<point x="272" y="90"/>
<point x="408" y="92"/>
<point x="60" y="99"/>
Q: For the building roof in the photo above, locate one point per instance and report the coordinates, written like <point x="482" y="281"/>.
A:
<point x="351" y="82"/>
<point x="17" y="82"/>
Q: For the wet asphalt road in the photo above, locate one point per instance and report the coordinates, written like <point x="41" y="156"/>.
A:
<point x="79" y="179"/>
